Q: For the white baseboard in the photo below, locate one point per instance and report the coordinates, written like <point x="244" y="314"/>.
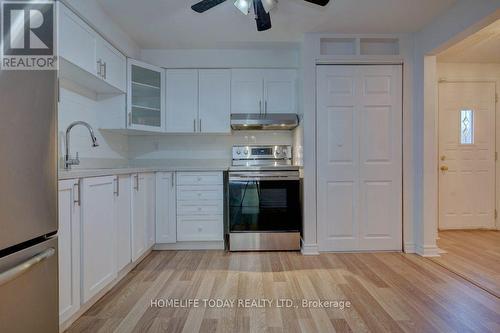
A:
<point x="180" y="246"/>
<point x="410" y="248"/>
<point x="467" y="227"/>
<point x="309" y="249"/>
<point x="428" y="251"/>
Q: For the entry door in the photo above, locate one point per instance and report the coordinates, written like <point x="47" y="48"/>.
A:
<point x="359" y="157"/>
<point x="466" y="155"/>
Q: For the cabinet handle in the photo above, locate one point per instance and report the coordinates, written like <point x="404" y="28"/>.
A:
<point x="194" y="125"/>
<point x="105" y="71"/>
<point x="136" y="187"/>
<point x="199" y="128"/>
<point x="117" y="186"/>
<point x="78" y="192"/>
<point x="99" y="67"/>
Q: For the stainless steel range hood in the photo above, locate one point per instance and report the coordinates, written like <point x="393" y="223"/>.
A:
<point x="270" y="121"/>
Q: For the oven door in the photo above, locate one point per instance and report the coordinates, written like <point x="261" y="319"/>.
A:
<point x="264" y="202"/>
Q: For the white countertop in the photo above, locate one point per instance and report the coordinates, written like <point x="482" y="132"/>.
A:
<point x="170" y="166"/>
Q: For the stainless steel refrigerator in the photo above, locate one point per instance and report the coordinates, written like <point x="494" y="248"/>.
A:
<point x="28" y="202"/>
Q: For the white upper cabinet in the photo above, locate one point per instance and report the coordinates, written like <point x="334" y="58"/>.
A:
<point x="111" y="65"/>
<point x="98" y="235"/>
<point x="198" y="101"/>
<point x="77" y="41"/>
<point x="280" y="91"/>
<point x="145" y="98"/>
<point x="182" y="101"/>
<point x="214" y="101"/>
<point x="264" y="91"/>
<point x="86" y="58"/>
<point x="246" y="91"/>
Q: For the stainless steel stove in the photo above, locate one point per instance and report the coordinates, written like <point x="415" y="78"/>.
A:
<point x="264" y="199"/>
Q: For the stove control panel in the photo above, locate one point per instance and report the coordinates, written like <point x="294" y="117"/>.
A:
<point x="282" y="152"/>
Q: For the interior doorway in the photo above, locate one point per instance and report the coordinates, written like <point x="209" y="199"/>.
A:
<point x="468" y="79"/>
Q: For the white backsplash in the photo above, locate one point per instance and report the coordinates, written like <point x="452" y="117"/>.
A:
<point x="211" y="147"/>
<point x="81" y="105"/>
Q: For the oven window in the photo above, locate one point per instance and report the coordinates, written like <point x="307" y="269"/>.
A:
<point x="264" y="206"/>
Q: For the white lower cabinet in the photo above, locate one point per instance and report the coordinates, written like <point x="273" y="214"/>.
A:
<point x="98" y="237"/>
<point x="200" y="213"/>
<point x="143" y="213"/>
<point x="123" y="217"/>
<point x="69" y="249"/>
<point x="166" y="225"/>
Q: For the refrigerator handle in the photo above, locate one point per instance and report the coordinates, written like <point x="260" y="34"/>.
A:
<point x="22" y="268"/>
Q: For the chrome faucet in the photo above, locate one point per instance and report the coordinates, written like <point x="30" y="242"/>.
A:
<point x="68" y="160"/>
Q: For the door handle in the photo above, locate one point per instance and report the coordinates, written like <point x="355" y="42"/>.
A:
<point x="22" y="268"/>
<point x="444" y="168"/>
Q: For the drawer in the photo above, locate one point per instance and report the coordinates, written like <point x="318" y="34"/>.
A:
<point x="194" y="228"/>
<point x="203" y="178"/>
<point x="207" y="192"/>
<point x="200" y="207"/>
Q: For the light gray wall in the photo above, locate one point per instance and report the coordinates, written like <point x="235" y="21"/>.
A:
<point x="223" y="58"/>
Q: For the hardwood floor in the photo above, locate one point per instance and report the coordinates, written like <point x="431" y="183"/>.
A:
<point x="474" y="255"/>
<point x="389" y="292"/>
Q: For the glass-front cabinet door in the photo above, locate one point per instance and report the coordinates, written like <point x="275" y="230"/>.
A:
<point x="145" y="100"/>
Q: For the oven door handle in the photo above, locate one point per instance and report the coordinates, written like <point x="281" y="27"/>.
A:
<point x="263" y="178"/>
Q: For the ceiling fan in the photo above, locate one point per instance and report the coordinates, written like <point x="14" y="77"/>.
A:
<point x="261" y="9"/>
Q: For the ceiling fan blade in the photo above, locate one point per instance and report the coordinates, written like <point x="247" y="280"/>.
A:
<point x="262" y="18"/>
<point x="319" y="2"/>
<point x="205" y="5"/>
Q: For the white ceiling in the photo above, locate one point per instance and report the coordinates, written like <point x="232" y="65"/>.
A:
<point x="172" y="24"/>
<point x="482" y="47"/>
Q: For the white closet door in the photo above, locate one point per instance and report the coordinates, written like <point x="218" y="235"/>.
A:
<point x="359" y="157"/>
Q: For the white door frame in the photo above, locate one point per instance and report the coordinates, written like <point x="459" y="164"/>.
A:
<point x="495" y="141"/>
<point x="403" y="154"/>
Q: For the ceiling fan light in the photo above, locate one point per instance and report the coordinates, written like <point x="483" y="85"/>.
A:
<point x="269" y="4"/>
<point x="243" y="6"/>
